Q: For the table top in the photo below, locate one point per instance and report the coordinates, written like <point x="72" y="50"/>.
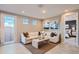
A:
<point x="39" y="40"/>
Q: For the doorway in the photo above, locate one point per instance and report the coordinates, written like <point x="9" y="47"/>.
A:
<point x="70" y="32"/>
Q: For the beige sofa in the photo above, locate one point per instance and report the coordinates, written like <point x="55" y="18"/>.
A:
<point x="32" y="35"/>
<point x="54" y="39"/>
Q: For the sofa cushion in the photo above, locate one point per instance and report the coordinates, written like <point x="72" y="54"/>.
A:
<point x="33" y="33"/>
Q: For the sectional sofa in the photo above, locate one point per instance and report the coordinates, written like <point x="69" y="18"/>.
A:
<point x="33" y="35"/>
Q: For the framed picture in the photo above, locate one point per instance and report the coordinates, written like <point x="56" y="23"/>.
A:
<point x="54" y="24"/>
<point x="70" y="28"/>
<point x="46" y="25"/>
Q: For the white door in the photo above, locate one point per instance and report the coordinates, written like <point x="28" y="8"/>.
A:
<point x="9" y="29"/>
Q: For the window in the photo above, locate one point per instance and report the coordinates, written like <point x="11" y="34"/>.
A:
<point x="9" y="21"/>
<point x="25" y="20"/>
<point x="34" y="22"/>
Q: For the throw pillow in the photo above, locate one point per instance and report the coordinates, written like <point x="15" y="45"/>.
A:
<point x="52" y="34"/>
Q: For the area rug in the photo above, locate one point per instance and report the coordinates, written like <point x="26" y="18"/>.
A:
<point x="43" y="49"/>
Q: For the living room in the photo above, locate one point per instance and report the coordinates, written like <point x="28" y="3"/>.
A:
<point x="39" y="28"/>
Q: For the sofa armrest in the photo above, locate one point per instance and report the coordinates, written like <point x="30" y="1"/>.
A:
<point x="23" y="39"/>
<point x="54" y="39"/>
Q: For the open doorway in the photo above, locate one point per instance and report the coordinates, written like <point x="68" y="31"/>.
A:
<point x="70" y="32"/>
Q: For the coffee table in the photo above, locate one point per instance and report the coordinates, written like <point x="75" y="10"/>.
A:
<point x="39" y="42"/>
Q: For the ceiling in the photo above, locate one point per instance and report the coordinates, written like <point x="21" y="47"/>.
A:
<point x="35" y="10"/>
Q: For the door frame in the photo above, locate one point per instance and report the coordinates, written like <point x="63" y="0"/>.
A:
<point x="75" y="14"/>
<point x="2" y="28"/>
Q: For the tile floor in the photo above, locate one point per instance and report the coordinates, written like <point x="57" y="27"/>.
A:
<point x="15" y="48"/>
<point x="18" y="48"/>
<point x="64" y="49"/>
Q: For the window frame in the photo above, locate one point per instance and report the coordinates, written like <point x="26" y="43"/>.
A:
<point x="34" y="22"/>
<point x="25" y="20"/>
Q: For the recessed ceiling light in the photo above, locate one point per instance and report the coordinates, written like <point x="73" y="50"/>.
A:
<point x="43" y="11"/>
<point x="22" y="11"/>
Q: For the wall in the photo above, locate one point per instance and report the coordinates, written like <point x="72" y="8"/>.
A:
<point x="20" y="27"/>
<point x="27" y="27"/>
<point x="0" y="26"/>
<point x="57" y="18"/>
<point x="73" y="15"/>
<point x="78" y="27"/>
